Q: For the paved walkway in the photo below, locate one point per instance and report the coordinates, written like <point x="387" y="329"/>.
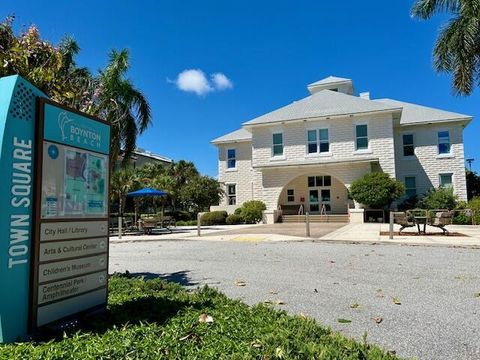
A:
<point x="369" y="233"/>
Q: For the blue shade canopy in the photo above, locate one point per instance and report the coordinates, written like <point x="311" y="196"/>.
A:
<point x="147" y="192"/>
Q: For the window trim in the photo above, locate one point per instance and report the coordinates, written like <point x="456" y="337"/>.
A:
<point x="355" y="138"/>
<point x="452" y="177"/>
<point x="288" y="196"/>
<point x="450" y="152"/>
<point x="413" y="144"/>
<point x="273" y="155"/>
<point x="234" y="159"/>
<point x="228" y="195"/>
<point x="318" y="142"/>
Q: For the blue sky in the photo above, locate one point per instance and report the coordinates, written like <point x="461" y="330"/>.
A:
<point x="270" y="50"/>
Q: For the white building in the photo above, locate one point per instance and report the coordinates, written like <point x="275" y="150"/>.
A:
<point x="306" y="154"/>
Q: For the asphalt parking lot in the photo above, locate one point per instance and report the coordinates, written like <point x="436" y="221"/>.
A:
<point x="418" y="301"/>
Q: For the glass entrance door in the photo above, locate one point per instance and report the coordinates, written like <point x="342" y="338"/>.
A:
<point x="326" y="200"/>
<point x="313" y="201"/>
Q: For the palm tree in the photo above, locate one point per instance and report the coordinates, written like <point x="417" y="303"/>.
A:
<point x="123" y="181"/>
<point x="118" y="101"/>
<point x="457" y="49"/>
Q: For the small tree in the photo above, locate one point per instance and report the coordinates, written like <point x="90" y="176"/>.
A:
<point x="252" y="211"/>
<point x="376" y="190"/>
<point x="440" y="198"/>
<point x="473" y="184"/>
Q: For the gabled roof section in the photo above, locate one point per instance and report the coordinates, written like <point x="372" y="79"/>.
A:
<point x="417" y="114"/>
<point x="330" y="80"/>
<point x="235" y="136"/>
<point x="324" y="103"/>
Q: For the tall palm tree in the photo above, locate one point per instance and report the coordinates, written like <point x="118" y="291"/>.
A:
<point x="118" y="101"/>
<point x="457" y="49"/>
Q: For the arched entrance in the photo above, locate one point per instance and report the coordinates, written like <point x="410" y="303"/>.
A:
<point x="317" y="193"/>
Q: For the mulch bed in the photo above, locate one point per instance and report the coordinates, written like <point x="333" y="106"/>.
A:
<point x="396" y="233"/>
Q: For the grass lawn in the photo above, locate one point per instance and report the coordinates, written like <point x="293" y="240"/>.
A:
<point x="153" y="319"/>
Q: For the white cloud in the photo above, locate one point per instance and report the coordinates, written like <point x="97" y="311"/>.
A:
<point x="221" y="81"/>
<point x="194" y="80"/>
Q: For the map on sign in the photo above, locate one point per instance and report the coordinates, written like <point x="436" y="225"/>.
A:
<point x="85" y="178"/>
<point x="74" y="182"/>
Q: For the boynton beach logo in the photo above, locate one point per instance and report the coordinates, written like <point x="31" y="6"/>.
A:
<point x="78" y="134"/>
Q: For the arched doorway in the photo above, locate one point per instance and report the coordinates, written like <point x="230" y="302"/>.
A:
<point x="317" y="193"/>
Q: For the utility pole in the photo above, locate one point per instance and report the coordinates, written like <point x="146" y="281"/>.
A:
<point x="470" y="161"/>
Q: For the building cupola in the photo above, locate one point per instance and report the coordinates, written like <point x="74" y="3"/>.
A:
<point x="332" y="83"/>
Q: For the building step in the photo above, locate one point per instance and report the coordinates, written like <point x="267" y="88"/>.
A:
<point x="316" y="218"/>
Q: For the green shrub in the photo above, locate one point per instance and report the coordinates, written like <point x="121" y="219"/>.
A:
<point x="180" y="215"/>
<point x="234" y="219"/>
<point x="376" y="190"/>
<point x="252" y="211"/>
<point x="462" y="219"/>
<point x="214" y="218"/>
<point x="187" y="223"/>
<point x="440" y="198"/>
<point x="474" y="204"/>
<point x="238" y="211"/>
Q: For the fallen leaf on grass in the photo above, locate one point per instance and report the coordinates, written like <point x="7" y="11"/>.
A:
<point x="273" y="291"/>
<point x="396" y="301"/>
<point x="279" y="353"/>
<point x="280" y="302"/>
<point x="355" y="305"/>
<point x="303" y="316"/>
<point x="378" y="319"/>
<point x="205" y="318"/>
<point x="344" y="321"/>
<point x="240" y="283"/>
<point x="186" y="337"/>
<point x="255" y="344"/>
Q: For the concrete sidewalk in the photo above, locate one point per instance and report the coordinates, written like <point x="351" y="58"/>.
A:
<point x="371" y="233"/>
<point x="365" y="233"/>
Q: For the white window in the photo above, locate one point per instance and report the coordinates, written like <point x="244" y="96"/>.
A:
<point x="290" y="195"/>
<point x="446" y="180"/>
<point x="277" y="148"/>
<point x="444" y="142"/>
<point x="319" y="181"/>
<point x="408" y="146"/>
<point x="361" y="137"/>
<point x="231" y="159"/>
<point x="232" y="194"/>
<point x="410" y="186"/>
<point x="318" y="141"/>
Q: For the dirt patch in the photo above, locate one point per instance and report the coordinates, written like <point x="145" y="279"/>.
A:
<point x="450" y="234"/>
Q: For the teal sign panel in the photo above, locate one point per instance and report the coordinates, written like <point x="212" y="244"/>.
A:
<point x="69" y="128"/>
<point x="17" y="147"/>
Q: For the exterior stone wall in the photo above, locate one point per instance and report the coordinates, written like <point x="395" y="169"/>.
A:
<point x="427" y="165"/>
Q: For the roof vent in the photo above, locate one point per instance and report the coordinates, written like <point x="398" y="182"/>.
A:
<point x="365" y="95"/>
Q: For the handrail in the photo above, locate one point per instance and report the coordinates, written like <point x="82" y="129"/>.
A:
<point x="300" y="210"/>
